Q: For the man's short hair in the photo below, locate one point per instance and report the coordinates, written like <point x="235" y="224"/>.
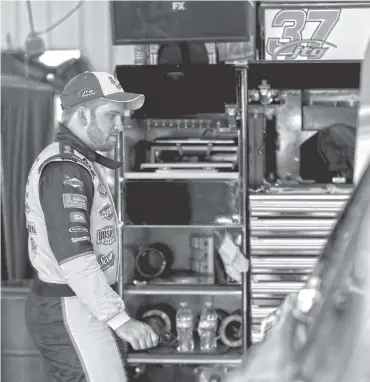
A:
<point x="93" y="104"/>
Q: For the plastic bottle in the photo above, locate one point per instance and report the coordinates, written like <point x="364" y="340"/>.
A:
<point x="184" y="328"/>
<point x="207" y="328"/>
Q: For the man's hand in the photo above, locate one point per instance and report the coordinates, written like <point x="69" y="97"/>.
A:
<point x="139" y="335"/>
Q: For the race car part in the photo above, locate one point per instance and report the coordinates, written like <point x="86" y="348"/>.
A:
<point x="154" y="261"/>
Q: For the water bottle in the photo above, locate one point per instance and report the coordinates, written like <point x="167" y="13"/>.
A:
<point x="207" y="328"/>
<point x="184" y="328"/>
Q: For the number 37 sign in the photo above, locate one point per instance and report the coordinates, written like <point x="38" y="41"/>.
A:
<point x="330" y="32"/>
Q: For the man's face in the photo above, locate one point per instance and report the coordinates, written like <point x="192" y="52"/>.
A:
<point x="105" y="126"/>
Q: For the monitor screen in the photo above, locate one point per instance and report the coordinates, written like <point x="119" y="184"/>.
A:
<point x="151" y="22"/>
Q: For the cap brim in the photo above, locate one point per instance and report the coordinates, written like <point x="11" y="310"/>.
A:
<point x="131" y="101"/>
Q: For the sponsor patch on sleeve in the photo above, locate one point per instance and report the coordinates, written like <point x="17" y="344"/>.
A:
<point x="77" y="217"/>
<point x="73" y="182"/>
<point x="75" y="201"/>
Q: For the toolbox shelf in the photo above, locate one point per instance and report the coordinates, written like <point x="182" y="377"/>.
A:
<point x="231" y="357"/>
<point x="177" y="290"/>
<point x="207" y="194"/>
<point x="186" y="175"/>
<point x="205" y="226"/>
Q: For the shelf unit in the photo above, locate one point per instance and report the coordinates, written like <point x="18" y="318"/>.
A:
<point x="240" y="291"/>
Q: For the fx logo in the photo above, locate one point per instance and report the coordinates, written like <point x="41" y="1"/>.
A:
<point x="292" y="43"/>
<point x="178" y="6"/>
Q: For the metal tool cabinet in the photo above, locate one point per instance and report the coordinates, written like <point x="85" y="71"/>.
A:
<point x="240" y="292"/>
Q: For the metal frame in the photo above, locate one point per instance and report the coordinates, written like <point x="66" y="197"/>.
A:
<point x="244" y="289"/>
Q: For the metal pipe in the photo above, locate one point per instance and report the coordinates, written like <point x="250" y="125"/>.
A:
<point x="118" y="188"/>
<point x="244" y="175"/>
<point x="19" y="353"/>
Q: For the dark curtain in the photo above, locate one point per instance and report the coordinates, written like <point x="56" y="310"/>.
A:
<point x="27" y="126"/>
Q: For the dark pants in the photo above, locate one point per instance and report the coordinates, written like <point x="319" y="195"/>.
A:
<point x="74" y="344"/>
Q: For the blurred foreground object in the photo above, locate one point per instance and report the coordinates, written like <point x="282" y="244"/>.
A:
<point x="322" y="333"/>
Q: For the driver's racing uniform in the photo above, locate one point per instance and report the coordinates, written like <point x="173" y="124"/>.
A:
<point x="73" y="246"/>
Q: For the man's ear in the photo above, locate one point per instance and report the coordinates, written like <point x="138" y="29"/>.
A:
<point x="84" y="114"/>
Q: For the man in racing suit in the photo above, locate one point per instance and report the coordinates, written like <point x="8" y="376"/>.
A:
<point x="74" y="310"/>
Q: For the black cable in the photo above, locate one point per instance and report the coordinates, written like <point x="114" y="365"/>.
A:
<point x="53" y="26"/>
<point x="30" y="16"/>
<point x="65" y="17"/>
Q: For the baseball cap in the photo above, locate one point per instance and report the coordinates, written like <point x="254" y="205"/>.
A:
<point x="92" y="85"/>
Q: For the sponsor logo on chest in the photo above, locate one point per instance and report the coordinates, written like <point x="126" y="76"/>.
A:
<point x="106" y="261"/>
<point x="78" y="229"/>
<point x="106" y="235"/>
<point x="78" y="239"/>
<point x="107" y="212"/>
<point x="102" y="190"/>
<point x="77" y="217"/>
<point x="75" y="201"/>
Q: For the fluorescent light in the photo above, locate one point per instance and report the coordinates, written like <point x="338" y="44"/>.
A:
<point x="54" y="58"/>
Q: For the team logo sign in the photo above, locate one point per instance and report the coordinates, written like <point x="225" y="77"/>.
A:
<point x="73" y="182"/>
<point x="75" y="201"/>
<point x="106" y="261"/>
<point x="106" y="235"/>
<point x="295" y="24"/>
<point x="106" y="212"/>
